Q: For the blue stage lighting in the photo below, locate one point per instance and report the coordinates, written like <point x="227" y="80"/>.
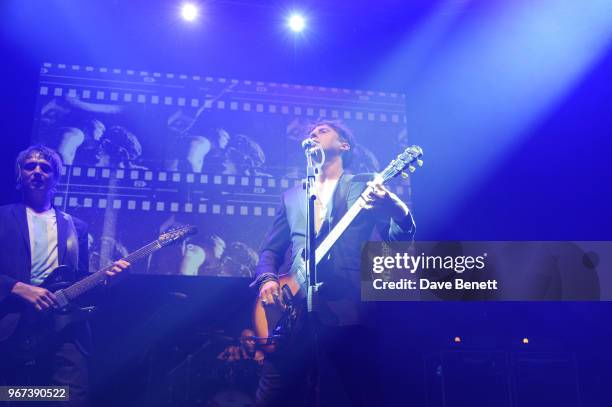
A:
<point x="189" y="11"/>
<point x="297" y="23"/>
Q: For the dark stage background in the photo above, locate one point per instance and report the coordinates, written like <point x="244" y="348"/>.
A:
<point x="509" y="100"/>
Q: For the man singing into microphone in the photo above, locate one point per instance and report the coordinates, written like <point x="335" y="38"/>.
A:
<point x="343" y="378"/>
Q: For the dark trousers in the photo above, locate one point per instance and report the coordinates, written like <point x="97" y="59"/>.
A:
<point x="339" y="370"/>
<point x="66" y="365"/>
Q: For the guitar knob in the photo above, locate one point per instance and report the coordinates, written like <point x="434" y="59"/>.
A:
<point x="420" y="163"/>
<point x="412" y="168"/>
<point x="404" y="175"/>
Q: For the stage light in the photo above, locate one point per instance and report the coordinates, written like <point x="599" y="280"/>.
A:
<point x="525" y="341"/>
<point x="189" y="11"/>
<point x="457" y="339"/>
<point x="297" y="23"/>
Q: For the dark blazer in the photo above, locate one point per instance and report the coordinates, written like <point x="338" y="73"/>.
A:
<point x="339" y="297"/>
<point x="15" y="259"/>
<point x="16" y="262"/>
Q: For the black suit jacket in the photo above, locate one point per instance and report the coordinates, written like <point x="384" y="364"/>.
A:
<point x="340" y="300"/>
<point x="15" y="257"/>
<point x="16" y="261"/>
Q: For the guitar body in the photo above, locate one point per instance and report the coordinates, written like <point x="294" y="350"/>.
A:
<point x="274" y="324"/>
<point x="267" y="319"/>
<point x="25" y="332"/>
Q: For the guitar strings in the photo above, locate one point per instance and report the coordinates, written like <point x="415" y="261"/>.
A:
<point x="98" y="277"/>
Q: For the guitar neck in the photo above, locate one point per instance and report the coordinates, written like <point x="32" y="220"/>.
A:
<point x="395" y="167"/>
<point x="338" y="230"/>
<point x="88" y="283"/>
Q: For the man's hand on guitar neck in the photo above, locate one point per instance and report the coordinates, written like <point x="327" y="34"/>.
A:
<point x="382" y="199"/>
<point x="270" y="293"/>
<point x="118" y="267"/>
<point x="40" y="298"/>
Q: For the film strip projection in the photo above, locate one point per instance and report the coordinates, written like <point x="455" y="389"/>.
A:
<point x="146" y="151"/>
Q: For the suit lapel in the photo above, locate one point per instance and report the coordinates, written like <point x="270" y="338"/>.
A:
<point x="339" y="199"/>
<point x="22" y="222"/>
<point x="62" y="231"/>
<point x="299" y="199"/>
<point x="338" y="202"/>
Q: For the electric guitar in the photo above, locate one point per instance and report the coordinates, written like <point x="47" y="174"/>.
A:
<point x="274" y="323"/>
<point x="25" y="332"/>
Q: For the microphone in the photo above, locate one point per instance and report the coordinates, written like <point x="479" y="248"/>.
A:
<point x="313" y="149"/>
<point x="309" y="144"/>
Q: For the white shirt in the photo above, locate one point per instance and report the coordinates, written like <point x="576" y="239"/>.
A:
<point x="42" y="228"/>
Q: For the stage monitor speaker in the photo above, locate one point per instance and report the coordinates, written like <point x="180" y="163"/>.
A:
<point x="467" y="378"/>
<point x="545" y="379"/>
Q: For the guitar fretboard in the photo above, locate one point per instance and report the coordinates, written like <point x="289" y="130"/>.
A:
<point x="81" y="287"/>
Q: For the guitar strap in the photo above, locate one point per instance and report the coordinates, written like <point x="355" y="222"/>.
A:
<point x="72" y="242"/>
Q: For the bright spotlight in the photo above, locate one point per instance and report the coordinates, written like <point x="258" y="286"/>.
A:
<point x="297" y="23"/>
<point x="189" y="11"/>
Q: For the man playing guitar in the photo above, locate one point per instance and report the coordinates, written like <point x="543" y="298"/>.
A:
<point x="344" y="373"/>
<point x="35" y="238"/>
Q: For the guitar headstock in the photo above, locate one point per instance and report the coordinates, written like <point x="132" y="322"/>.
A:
<point x="412" y="154"/>
<point x="176" y="233"/>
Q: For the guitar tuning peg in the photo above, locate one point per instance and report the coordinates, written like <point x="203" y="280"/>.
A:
<point x="420" y="163"/>
<point x="404" y="175"/>
<point x="412" y="168"/>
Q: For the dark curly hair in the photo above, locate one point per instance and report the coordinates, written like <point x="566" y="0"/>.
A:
<point x="47" y="153"/>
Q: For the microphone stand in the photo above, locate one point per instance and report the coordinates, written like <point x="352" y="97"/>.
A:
<point x="311" y="266"/>
<point x="310" y="247"/>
